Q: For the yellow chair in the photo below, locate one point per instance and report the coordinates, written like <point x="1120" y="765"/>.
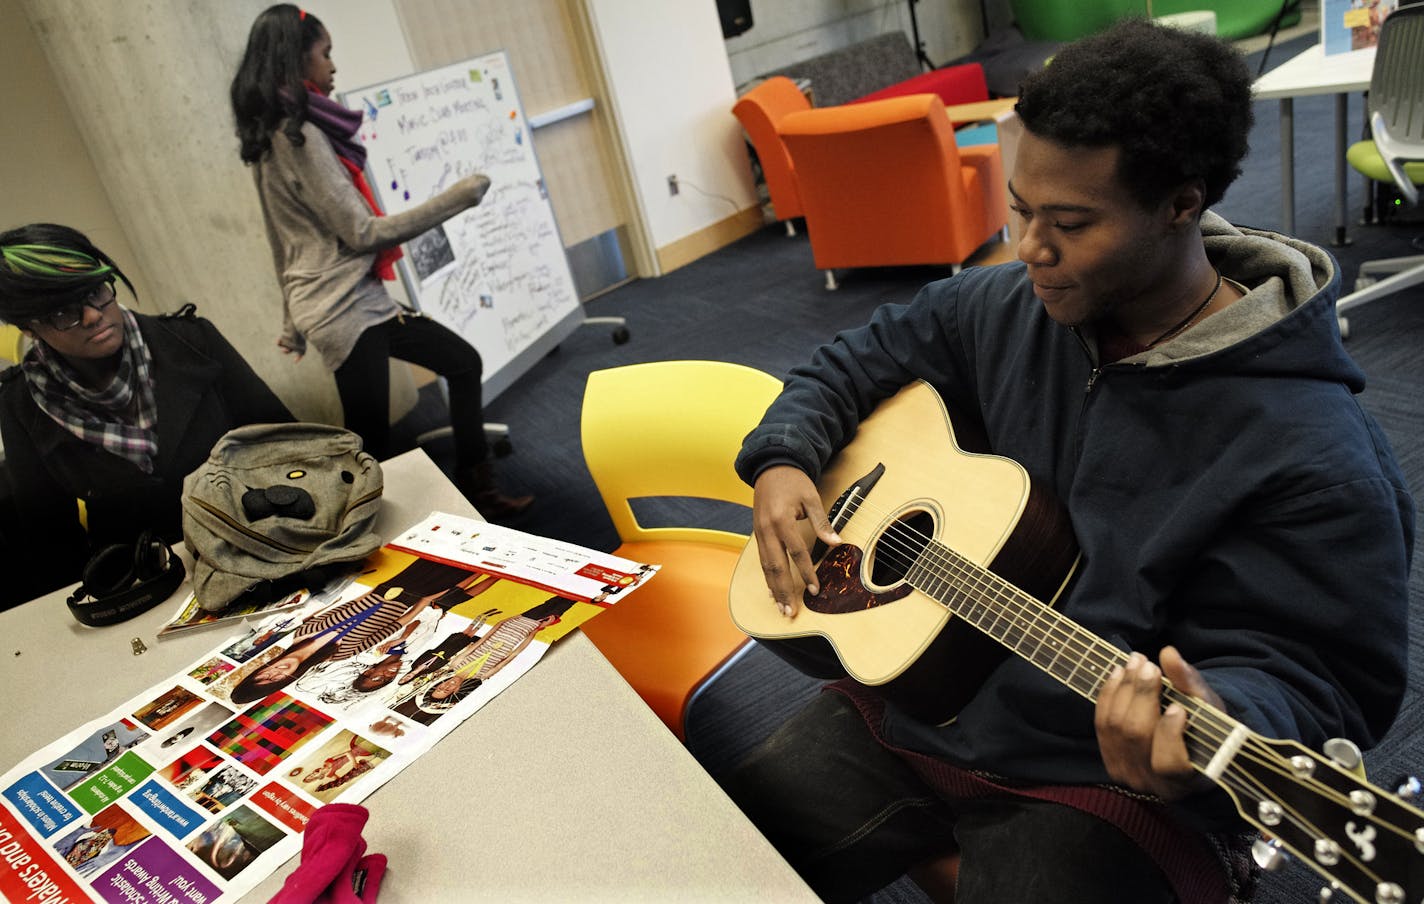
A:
<point x="12" y="343"/>
<point x="672" y="429"/>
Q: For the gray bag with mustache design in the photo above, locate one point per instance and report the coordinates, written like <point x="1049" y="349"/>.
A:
<point x="279" y="507"/>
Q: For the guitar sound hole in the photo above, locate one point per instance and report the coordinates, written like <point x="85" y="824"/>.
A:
<point x="900" y="546"/>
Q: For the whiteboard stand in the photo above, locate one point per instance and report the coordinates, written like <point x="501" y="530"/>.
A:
<point x="497" y="435"/>
<point x="619" y="324"/>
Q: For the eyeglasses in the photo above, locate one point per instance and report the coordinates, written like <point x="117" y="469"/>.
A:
<point x="71" y="315"/>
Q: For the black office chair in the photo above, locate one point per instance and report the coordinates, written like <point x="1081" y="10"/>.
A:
<point x="1395" y="153"/>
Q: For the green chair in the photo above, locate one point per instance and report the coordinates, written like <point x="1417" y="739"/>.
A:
<point x="1055" y="20"/>
<point x="1395" y="153"/>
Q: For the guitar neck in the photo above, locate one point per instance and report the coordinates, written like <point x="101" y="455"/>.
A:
<point x="1055" y="643"/>
<point x="1059" y="646"/>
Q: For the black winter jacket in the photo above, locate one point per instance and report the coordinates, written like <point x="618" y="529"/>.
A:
<point x="203" y="388"/>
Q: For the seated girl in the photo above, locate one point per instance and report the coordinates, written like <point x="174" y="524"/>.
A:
<point x="110" y="409"/>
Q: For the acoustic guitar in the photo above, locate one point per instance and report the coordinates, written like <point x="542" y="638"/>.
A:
<point x="944" y="559"/>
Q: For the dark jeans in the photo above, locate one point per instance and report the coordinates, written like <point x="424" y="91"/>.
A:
<point x="852" y="817"/>
<point x="364" y="383"/>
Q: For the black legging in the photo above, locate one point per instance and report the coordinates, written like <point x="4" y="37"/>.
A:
<point x="364" y="383"/>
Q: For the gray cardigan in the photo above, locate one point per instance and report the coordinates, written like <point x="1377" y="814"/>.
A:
<point x="324" y="240"/>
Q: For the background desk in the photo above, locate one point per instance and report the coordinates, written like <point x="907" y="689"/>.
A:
<point x="1307" y="73"/>
<point x="563" y="787"/>
<point x="1009" y="130"/>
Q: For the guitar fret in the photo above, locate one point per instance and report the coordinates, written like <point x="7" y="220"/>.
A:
<point x="922" y="578"/>
<point x="1005" y="613"/>
<point x="1046" y="654"/>
<point x="1033" y="655"/>
<point x="975" y="611"/>
<point x="1014" y="633"/>
<point x="939" y="587"/>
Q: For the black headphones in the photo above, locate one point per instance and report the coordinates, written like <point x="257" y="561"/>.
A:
<point x="125" y="579"/>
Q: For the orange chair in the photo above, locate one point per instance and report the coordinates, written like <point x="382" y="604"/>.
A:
<point x="883" y="184"/>
<point x="671" y="429"/>
<point x="759" y="111"/>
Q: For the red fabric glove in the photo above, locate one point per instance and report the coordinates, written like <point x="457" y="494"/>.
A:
<point x="333" y="869"/>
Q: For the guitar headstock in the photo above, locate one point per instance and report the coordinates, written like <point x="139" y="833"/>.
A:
<point x="1366" y="842"/>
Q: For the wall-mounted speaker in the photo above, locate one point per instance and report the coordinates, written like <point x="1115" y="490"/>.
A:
<point x="736" y="16"/>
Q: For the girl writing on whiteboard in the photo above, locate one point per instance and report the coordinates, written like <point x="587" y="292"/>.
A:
<point x="333" y="247"/>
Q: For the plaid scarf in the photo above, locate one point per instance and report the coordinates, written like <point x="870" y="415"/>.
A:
<point x="122" y="417"/>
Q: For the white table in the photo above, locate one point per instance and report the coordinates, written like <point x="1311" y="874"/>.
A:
<point x="1308" y="73"/>
<point x="564" y="787"/>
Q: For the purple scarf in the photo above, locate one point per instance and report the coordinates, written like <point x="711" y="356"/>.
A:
<point x="339" y="125"/>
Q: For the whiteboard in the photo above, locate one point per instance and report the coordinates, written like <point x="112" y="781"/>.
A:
<point x="497" y="273"/>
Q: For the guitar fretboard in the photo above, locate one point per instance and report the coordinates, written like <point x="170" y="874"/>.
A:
<point x="1055" y="643"/>
<point x="1059" y="646"/>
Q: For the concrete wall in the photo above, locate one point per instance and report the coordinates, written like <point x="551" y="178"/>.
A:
<point x="788" y="31"/>
<point x="117" y="122"/>
<point x="147" y="85"/>
<point x="672" y="93"/>
<point x="48" y="175"/>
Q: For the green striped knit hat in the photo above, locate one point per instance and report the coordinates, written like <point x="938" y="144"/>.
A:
<point x="45" y="266"/>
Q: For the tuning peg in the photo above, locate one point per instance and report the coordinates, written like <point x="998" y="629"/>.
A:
<point x="1268" y="854"/>
<point x="1343" y="753"/>
<point x="1408" y="787"/>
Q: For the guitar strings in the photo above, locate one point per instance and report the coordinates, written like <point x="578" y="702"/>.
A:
<point x="940" y="562"/>
<point x="1247" y="787"/>
<point x="1209" y="723"/>
<point x="1206" y="724"/>
<point x="951" y="568"/>
<point x="1402" y="844"/>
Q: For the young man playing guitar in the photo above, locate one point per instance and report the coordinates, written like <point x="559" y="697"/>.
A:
<point x="1243" y="528"/>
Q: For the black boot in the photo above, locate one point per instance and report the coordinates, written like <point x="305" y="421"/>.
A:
<point x="479" y="487"/>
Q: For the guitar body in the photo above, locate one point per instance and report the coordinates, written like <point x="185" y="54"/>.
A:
<point x="915" y="484"/>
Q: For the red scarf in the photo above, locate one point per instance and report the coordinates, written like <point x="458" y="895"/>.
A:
<point x="340" y="126"/>
<point x="385" y="264"/>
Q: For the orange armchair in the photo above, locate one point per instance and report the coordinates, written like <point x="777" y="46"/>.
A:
<point x="760" y="110"/>
<point x="883" y="183"/>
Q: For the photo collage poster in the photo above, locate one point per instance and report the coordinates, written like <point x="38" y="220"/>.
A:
<point x="198" y="789"/>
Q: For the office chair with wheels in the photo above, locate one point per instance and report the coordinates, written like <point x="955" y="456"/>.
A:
<point x="1395" y="153"/>
<point x="654" y="431"/>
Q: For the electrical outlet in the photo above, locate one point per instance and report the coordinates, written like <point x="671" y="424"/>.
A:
<point x="672" y="185"/>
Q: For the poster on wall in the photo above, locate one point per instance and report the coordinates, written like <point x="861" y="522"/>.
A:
<point x="198" y="789"/>
<point x="1347" y="25"/>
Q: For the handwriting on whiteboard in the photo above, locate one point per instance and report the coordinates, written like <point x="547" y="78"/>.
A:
<point x="497" y="273"/>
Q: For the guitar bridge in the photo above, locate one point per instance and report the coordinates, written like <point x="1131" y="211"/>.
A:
<point x="845" y="506"/>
